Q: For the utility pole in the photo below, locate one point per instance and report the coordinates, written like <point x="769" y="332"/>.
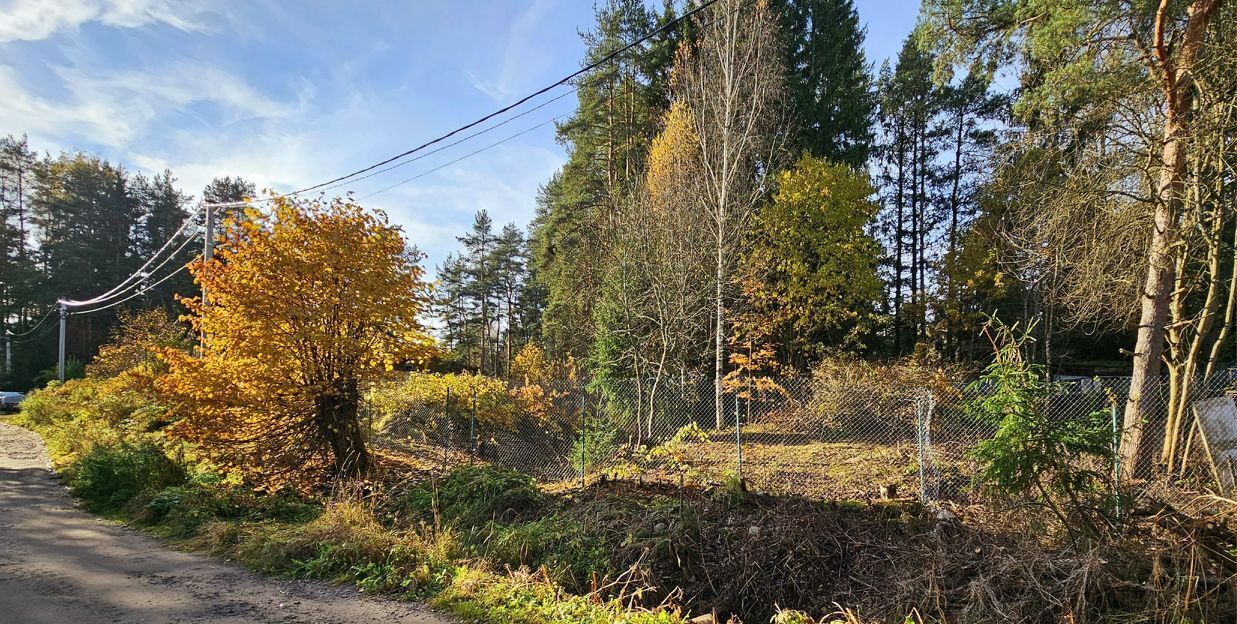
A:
<point x="208" y="248"/>
<point x="64" y="315"/>
<point x="8" y="353"/>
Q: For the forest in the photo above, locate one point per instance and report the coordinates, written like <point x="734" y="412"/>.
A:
<point x="1028" y="169"/>
<point x="1000" y="268"/>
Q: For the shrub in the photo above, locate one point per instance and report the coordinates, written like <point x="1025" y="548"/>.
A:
<point x="862" y="398"/>
<point x="75" y="416"/>
<point x="597" y="446"/>
<point x="133" y="345"/>
<point x="111" y="475"/>
<point x="476" y="495"/>
<point x="416" y="403"/>
<point x="1033" y="455"/>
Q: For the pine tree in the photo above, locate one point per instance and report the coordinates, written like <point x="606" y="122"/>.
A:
<point x="910" y="104"/>
<point x="88" y="224"/>
<point x="606" y="140"/>
<point x="227" y="190"/>
<point x="508" y="260"/>
<point x="162" y="212"/>
<point x="479" y="268"/>
<point x="19" y="302"/>
<point x="450" y="305"/>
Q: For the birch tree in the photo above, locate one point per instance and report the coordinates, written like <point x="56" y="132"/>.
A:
<point x="732" y="83"/>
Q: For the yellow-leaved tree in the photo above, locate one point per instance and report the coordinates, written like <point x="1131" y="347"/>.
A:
<point x="304" y="306"/>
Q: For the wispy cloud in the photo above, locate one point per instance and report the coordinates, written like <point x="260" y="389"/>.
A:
<point x="526" y="55"/>
<point x="114" y="108"/>
<point x="32" y="20"/>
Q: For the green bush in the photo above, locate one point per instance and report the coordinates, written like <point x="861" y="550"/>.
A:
<point x="109" y="476"/>
<point x="1033" y="456"/>
<point x="75" y="416"/>
<point x="473" y="496"/>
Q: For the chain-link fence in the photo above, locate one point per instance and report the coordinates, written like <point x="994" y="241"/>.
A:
<point x="855" y="438"/>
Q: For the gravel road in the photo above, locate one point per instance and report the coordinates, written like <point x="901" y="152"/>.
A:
<point x="59" y="564"/>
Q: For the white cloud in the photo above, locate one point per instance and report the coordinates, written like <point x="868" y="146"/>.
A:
<point x="32" y="20"/>
<point x="114" y="109"/>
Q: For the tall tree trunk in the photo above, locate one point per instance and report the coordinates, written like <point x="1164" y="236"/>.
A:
<point x="1153" y="314"/>
<point x="899" y="236"/>
<point x="719" y="353"/>
<point x="954" y="208"/>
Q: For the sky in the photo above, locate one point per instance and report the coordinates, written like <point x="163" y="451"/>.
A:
<point x="288" y="94"/>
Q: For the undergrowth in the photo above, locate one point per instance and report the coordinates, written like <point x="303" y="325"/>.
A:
<point x="489" y="545"/>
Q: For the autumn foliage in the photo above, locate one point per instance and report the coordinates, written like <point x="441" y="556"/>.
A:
<point x="304" y="307"/>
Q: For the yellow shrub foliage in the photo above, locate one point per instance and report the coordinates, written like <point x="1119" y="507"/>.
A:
<point x="136" y="343"/>
<point x="671" y="155"/>
<point x="422" y="397"/>
<point x="305" y="306"/>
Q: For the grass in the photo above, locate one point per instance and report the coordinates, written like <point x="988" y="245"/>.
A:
<point x="477" y="543"/>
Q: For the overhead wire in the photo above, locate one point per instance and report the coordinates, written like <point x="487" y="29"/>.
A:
<point x="468" y="155"/>
<point x="134" y="295"/>
<point x="520" y="102"/>
<point x="36" y="325"/>
<point x="140" y="272"/>
<point x="454" y="143"/>
<point x="142" y="286"/>
<point x="138" y="277"/>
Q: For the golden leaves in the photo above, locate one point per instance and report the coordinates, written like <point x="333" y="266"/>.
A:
<point x="312" y="301"/>
<point x="670" y="153"/>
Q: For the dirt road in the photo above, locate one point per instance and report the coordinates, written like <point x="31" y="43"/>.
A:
<point x="60" y="565"/>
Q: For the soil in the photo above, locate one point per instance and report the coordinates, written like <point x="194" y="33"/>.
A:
<point x="60" y="564"/>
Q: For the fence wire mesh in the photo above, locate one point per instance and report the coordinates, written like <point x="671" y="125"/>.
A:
<point x="823" y="439"/>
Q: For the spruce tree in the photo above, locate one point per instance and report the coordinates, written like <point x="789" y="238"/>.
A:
<point x="827" y="79"/>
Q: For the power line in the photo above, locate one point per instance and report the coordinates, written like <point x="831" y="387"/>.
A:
<point x="143" y="288"/>
<point x="139" y="293"/>
<point x="379" y="167"/>
<point x="454" y="143"/>
<point x="36" y="336"/>
<point x="468" y="155"/>
<point x="36" y="325"/>
<point x="590" y="67"/>
<point x="142" y="271"/>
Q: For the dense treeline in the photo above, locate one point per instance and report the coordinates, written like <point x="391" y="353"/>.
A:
<point x="74" y="225"/>
<point x="748" y="195"/>
<point x="817" y="207"/>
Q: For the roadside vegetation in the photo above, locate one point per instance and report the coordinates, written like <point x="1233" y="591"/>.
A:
<point x="744" y="204"/>
<point x="493" y="545"/>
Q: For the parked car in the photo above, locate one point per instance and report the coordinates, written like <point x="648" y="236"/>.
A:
<point x="11" y="401"/>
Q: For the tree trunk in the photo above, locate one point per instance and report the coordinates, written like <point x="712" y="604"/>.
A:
<point x="719" y="339"/>
<point x="339" y="424"/>
<point x="1153" y="314"/>
<point x="899" y="237"/>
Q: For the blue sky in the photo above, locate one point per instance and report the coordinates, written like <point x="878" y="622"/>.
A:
<point x="293" y="93"/>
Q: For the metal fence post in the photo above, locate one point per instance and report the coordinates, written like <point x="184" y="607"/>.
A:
<point x="1116" y="460"/>
<point x="472" y="428"/>
<point x="446" y="438"/>
<point x="583" y="443"/>
<point x="922" y="442"/>
<point x="738" y="439"/>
